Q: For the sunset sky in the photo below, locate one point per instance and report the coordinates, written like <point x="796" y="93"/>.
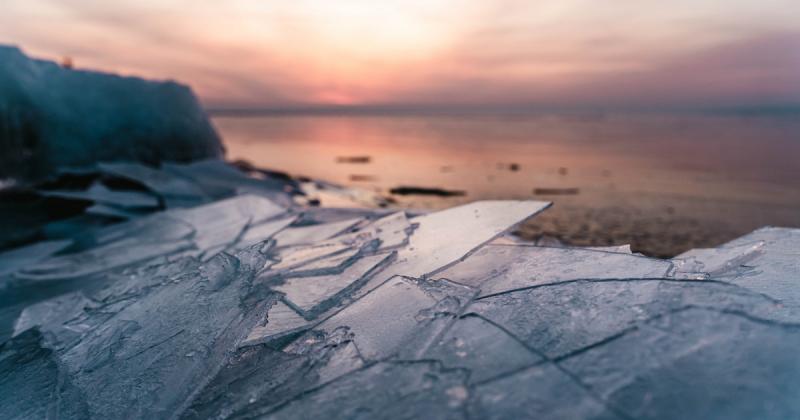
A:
<point x="260" y="53"/>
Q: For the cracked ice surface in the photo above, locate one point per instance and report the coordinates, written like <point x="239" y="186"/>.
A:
<point x="239" y="304"/>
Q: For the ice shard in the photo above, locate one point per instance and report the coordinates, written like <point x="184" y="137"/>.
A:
<point x="559" y="319"/>
<point x="443" y="238"/>
<point x="167" y="344"/>
<point x="539" y="392"/>
<point x="385" y="390"/>
<point x="397" y="314"/>
<point x="33" y="385"/>
<point x="482" y="348"/>
<point x="174" y="190"/>
<point x="697" y="363"/>
<point x="100" y="194"/>
<point x="304" y="235"/>
<point x="280" y="322"/>
<point x="313" y="295"/>
<point x="256" y="233"/>
<point x="220" y="180"/>
<point x="501" y="268"/>
<point x="11" y="261"/>
<point x="766" y="261"/>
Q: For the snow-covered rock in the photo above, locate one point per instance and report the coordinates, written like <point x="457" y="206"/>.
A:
<point x="53" y="117"/>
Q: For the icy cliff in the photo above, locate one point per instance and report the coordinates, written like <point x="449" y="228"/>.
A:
<point x="53" y="117"/>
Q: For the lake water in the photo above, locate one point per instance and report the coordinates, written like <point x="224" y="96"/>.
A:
<point x="662" y="182"/>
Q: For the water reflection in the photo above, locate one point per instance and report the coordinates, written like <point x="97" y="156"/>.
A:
<point x="733" y="172"/>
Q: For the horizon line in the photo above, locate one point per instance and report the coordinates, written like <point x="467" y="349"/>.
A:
<point x="506" y="109"/>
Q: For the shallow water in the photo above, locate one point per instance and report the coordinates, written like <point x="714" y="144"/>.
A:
<point x="664" y="182"/>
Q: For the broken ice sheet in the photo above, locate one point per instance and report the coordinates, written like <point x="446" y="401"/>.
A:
<point x="500" y="268"/>
<point x="402" y="312"/>
<point x="176" y="191"/>
<point x="385" y="390"/>
<point x="256" y="233"/>
<point x="708" y="262"/>
<point x="280" y="322"/>
<point x="766" y="261"/>
<point x="50" y="316"/>
<point x="33" y="384"/>
<point x="15" y="259"/>
<point x="562" y="318"/>
<point x="115" y="212"/>
<point x="697" y="364"/>
<point x="539" y="392"/>
<point x="303" y="235"/>
<point x="313" y="295"/>
<point x="99" y="259"/>
<point x="221" y="223"/>
<point x="169" y="343"/>
<point x="253" y="378"/>
<point x="482" y="348"/>
<point x="444" y="237"/>
<point x="392" y="231"/>
<point x="219" y="179"/>
<point x="297" y="256"/>
<point x="100" y="194"/>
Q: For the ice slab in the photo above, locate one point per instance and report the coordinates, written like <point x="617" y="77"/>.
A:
<point x="281" y="322"/>
<point x="540" y="392"/>
<point x="500" y="268"/>
<point x="103" y="258"/>
<point x="403" y="312"/>
<point x="155" y="227"/>
<point x="176" y="191"/>
<point x="222" y="223"/>
<point x="443" y="238"/>
<point x="330" y="265"/>
<point x="115" y="212"/>
<point x="385" y="390"/>
<point x="697" y="364"/>
<point x="254" y="377"/>
<point x="313" y="295"/>
<point x="261" y="232"/>
<point x="392" y="231"/>
<point x="32" y="383"/>
<point x="482" y="348"/>
<point x="766" y="261"/>
<point x="116" y="246"/>
<point x="100" y="194"/>
<point x="304" y="235"/>
<point x="11" y="261"/>
<point x="294" y="257"/>
<point x="219" y="179"/>
<point x="50" y="315"/>
<point x="167" y="344"/>
<point x="563" y="318"/>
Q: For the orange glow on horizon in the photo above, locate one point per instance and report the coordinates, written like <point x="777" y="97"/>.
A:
<point x="560" y="52"/>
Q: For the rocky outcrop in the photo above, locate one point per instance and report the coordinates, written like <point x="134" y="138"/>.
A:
<point x="53" y="117"/>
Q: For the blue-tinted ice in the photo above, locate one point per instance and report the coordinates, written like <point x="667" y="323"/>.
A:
<point x="235" y="302"/>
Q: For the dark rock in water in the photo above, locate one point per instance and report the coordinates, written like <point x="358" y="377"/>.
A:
<point x="556" y="191"/>
<point x="52" y="117"/>
<point x="439" y="192"/>
<point x="353" y="159"/>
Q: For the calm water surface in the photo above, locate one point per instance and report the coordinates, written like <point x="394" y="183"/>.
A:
<point x="701" y="178"/>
